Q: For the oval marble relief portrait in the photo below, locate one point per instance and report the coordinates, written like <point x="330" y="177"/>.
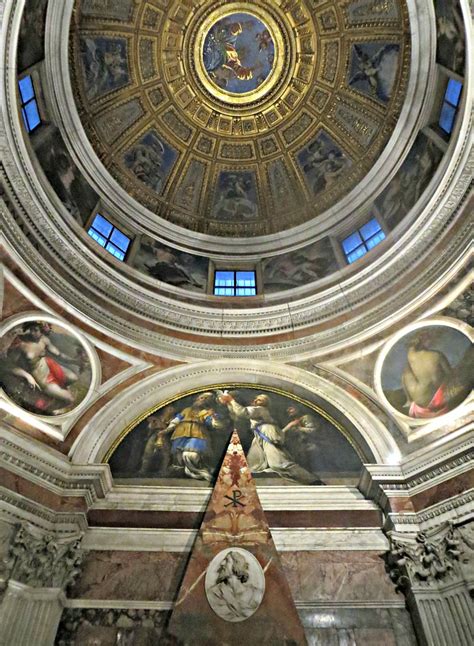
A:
<point x="44" y="367"/>
<point x="235" y="584"/>
<point x="428" y="371"/>
<point x="239" y="53"/>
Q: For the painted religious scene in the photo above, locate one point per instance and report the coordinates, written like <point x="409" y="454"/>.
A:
<point x="236" y="197"/>
<point x="151" y="159"/>
<point x="323" y="163"/>
<point x="105" y="65"/>
<point x="286" y="441"/>
<point x="44" y="368"/>
<point x="300" y="267"/>
<point x="239" y="53"/>
<point x="373" y="69"/>
<point x="451" y="50"/>
<point x="71" y="187"/>
<point x="32" y="28"/>
<point x="172" y="266"/>
<point x="429" y="371"/>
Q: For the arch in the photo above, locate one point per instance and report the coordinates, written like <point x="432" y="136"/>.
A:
<point x="369" y="434"/>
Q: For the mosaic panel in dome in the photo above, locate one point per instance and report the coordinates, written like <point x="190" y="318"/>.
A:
<point x="184" y="101"/>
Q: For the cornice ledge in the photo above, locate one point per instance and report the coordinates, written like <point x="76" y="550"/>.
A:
<point x="286" y="539"/>
<point x="458" y="509"/>
<point x="49" y="469"/>
<point x="15" y="508"/>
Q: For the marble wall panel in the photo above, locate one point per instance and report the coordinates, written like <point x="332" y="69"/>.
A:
<point x="337" y="576"/>
<point x="358" y="627"/>
<point x="312" y="576"/>
<point x="325" y="627"/>
<point x="146" y="576"/>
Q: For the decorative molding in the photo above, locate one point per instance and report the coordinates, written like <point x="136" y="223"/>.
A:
<point x="286" y="539"/>
<point x="16" y="509"/>
<point x="165" y="606"/>
<point x="456" y="509"/>
<point x="422" y="470"/>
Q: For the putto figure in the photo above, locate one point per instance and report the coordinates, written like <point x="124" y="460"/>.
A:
<point x="238" y="53"/>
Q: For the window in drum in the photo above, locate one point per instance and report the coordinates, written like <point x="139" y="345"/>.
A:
<point x="449" y="109"/>
<point x="29" y="105"/>
<point x="363" y="240"/>
<point x="109" y="237"/>
<point x="235" y="283"/>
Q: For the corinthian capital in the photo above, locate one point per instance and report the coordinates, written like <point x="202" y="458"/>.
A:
<point x="424" y="558"/>
<point x="43" y="561"/>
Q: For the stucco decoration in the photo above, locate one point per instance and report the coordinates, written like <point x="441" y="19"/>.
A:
<point x="225" y="96"/>
<point x="426" y="370"/>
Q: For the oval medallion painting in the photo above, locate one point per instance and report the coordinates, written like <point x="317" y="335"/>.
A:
<point x="239" y="53"/>
<point x="235" y="584"/>
<point x="44" y="368"/>
<point x="428" y="371"/>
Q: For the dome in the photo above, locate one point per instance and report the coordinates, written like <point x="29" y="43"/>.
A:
<point x="238" y="119"/>
<point x="242" y="137"/>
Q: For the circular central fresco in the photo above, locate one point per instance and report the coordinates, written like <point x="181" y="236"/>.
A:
<point x="239" y="119"/>
<point x="239" y="57"/>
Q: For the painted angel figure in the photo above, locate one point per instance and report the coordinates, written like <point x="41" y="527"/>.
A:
<point x="378" y="70"/>
<point x="221" y="58"/>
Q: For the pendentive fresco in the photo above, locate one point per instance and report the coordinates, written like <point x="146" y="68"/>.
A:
<point x="428" y="372"/>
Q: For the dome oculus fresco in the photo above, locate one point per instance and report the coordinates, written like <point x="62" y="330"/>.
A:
<point x="239" y="118"/>
<point x="239" y="55"/>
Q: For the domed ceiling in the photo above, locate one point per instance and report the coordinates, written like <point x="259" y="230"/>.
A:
<point x="239" y="119"/>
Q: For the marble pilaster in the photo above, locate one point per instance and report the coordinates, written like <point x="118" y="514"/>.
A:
<point x="38" y="568"/>
<point x="433" y="570"/>
<point x="30" y="615"/>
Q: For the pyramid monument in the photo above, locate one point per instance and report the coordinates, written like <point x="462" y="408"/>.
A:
<point x="234" y="590"/>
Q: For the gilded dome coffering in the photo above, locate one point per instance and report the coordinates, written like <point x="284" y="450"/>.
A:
<point x="244" y="118"/>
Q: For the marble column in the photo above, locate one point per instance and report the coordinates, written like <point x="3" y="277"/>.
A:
<point x="39" y="567"/>
<point x="432" y="570"/>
